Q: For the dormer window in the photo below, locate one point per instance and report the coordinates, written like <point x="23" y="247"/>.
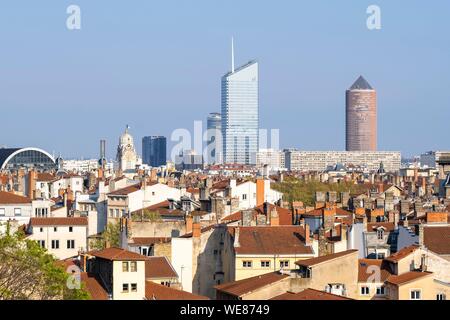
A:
<point x="380" y="234"/>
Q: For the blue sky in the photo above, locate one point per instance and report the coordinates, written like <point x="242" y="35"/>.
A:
<point x="156" y="65"/>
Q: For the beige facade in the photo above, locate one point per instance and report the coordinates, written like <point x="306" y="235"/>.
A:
<point x="419" y="289"/>
<point x="128" y="284"/>
<point x="248" y="266"/>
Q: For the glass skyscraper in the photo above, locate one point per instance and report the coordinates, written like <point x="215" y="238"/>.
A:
<point x="240" y="114"/>
<point x="154" y="150"/>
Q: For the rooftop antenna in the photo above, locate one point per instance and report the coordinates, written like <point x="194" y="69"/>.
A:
<point x="232" y="55"/>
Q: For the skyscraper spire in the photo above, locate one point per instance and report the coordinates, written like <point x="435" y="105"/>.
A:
<point x="232" y="55"/>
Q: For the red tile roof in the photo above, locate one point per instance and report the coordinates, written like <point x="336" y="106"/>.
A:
<point x="368" y="267"/>
<point x="272" y="240"/>
<point x="285" y="215"/>
<point x="328" y="257"/>
<point x="155" y="291"/>
<point x="93" y="285"/>
<point x="11" y="198"/>
<point x="159" y="267"/>
<point x="126" y="191"/>
<point x="319" y="212"/>
<point x="45" y="177"/>
<point x="117" y="254"/>
<point x="402" y="253"/>
<point x="244" y="286"/>
<point x="437" y="239"/>
<point x="309" y="294"/>
<point x="63" y="221"/>
<point x="407" y="277"/>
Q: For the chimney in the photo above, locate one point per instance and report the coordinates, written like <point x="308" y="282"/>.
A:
<point x="260" y="192"/>
<point x="274" y="217"/>
<point x="196" y="230"/>
<point x="307" y="234"/>
<point x="421" y="235"/>
<point x="32" y="177"/>
<point x="189" y="223"/>
<point x="236" y="238"/>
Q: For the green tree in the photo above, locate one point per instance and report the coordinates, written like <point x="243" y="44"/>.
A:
<point x="109" y="238"/>
<point x="28" y="271"/>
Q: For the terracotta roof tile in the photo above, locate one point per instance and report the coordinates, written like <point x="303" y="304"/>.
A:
<point x="117" y="254"/>
<point x="159" y="267"/>
<point x="309" y="294"/>
<point x="155" y="291"/>
<point x="284" y="215"/>
<point x="366" y="270"/>
<point x="126" y="191"/>
<point x="244" y="286"/>
<point x="11" y="198"/>
<point x="63" y="221"/>
<point x="372" y="227"/>
<point x="437" y="239"/>
<point x="402" y="253"/>
<point x="329" y="257"/>
<point x="272" y="240"/>
<point x="93" y="285"/>
<point x="407" y="277"/>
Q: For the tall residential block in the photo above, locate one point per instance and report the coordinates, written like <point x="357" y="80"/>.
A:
<point x="361" y="117"/>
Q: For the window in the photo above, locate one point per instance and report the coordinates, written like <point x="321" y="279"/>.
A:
<point x="365" y="291"/>
<point x="153" y="193"/>
<point x="144" y="251"/>
<point x="254" y="196"/>
<point x="265" y="264"/>
<point x="134" y="287"/>
<point x="55" y="244"/>
<point x="70" y="229"/>
<point x="111" y="213"/>
<point x="415" y="294"/>
<point x="133" y="266"/>
<point x="17" y="212"/>
<point x="125" y="266"/>
<point x="117" y="213"/>
<point x="247" y="264"/>
<point x="2" y="212"/>
<point x="380" y="234"/>
<point x="41" y="243"/>
<point x="244" y="196"/>
<point x="55" y="229"/>
<point x="70" y="244"/>
<point x="125" y="287"/>
<point x="380" y="291"/>
<point x="284" y="264"/>
<point x="440" y="296"/>
<point x="41" y="229"/>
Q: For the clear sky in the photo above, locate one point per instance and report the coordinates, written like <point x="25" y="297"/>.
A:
<point x="156" y="65"/>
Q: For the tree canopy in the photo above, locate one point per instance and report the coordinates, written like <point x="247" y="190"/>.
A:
<point x="29" y="272"/>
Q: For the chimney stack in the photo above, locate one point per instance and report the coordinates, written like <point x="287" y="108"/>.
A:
<point x="307" y="234"/>
<point x="196" y="230"/>
<point x="274" y="217"/>
<point x="189" y="223"/>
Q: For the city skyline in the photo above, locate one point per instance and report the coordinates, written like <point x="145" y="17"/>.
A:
<point x="70" y="77"/>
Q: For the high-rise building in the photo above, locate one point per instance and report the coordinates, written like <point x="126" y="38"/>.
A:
<point x="214" y="137"/>
<point x="240" y="113"/>
<point x="154" y="149"/>
<point x="361" y="117"/>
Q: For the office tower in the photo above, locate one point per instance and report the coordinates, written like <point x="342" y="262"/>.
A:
<point x="214" y="137"/>
<point x="102" y="160"/>
<point x="154" y="150"/>
<point x="240" y="113"/>
<point x="361" y="117"/>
